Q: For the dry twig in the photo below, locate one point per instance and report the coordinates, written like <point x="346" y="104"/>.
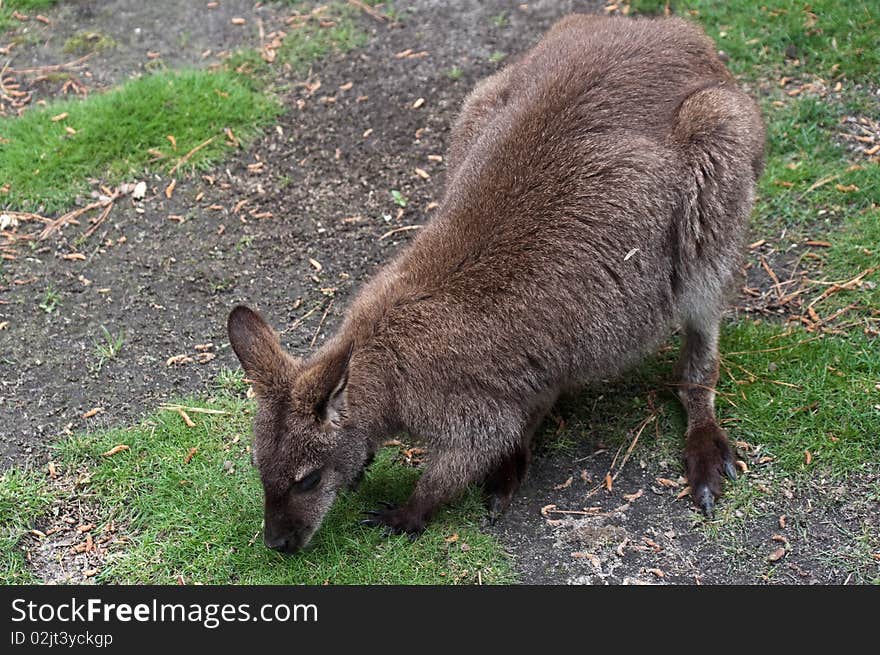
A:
<point x="368" y="10"/>
<point x="405" y="228"/>
<point x="321" y="324"/>
<point x="186" y="157"/>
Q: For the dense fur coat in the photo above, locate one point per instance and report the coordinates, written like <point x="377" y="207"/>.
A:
<point x="597" y="195"/>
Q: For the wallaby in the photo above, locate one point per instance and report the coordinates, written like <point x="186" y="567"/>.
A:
<point x="597" y="195"/>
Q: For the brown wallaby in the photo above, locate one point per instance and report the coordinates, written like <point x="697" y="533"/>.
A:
<point x="597" y="195"/>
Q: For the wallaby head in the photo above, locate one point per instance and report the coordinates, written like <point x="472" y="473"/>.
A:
<point x="301" y="446"/>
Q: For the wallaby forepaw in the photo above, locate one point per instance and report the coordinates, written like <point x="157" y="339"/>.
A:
<point x="395" y="520"/>
<point x="708" y="458"/>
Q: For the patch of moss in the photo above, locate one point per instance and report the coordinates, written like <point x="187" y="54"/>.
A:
<point x="83" y="43"/>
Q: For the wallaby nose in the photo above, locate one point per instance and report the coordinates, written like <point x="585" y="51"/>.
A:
<point x="283" y="544"/>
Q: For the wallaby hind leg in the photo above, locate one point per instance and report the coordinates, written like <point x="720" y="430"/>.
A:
<point x="721" y="136"/>
<point x="503" y="482"/>
<point x="707" y="454"/>
<point x="500" y="485"/>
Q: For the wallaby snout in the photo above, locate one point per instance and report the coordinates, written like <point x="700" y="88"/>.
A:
<point x="287" y="544"/>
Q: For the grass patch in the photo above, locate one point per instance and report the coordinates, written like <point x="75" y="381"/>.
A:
<point x="813" y="188"/>
<point x="23" y="497"/>
<point x="815" y="394"/>
<point x="313" y="42"/>
<point x="826" y="37"/>
<point x="802" y="152"/>
<point x="202" y="519"/>
<point x="8" y="7"/>
<point x="50" y="300"/>
<point x="855" y="248"/>
<point x="46" y="166"/>
<point x="107" y="348"/>
<point x="454" y="73"/>
<point x="111" y="136"/>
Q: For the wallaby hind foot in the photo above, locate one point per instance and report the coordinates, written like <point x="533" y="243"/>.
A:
<point x="707" y="455"/>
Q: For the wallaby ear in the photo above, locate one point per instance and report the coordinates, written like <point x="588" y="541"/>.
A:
<point x="258" y="349"/>
<point x="335" y="409"/>
<point x="322" y="388"/>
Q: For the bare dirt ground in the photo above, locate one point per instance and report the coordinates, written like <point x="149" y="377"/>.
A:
<point x="323" y="195"/>
<point x="121" y="38"/>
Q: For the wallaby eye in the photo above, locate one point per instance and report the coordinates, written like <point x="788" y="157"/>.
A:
<point x="308" y="483"/>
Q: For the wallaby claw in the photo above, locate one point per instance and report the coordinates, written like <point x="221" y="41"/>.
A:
<point x="393" y="520"/>
<point x="730" y="469"/>
<point x="708" y="460"/>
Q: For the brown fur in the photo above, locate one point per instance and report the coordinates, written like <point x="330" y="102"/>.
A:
<point x="597" y="195"/>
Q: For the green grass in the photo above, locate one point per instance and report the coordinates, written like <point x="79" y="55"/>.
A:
<point x="50" y="300"/>
<point x="855" y="248"/>
<point x="231" y="381"/>
<point x="203" y="522"/>
<point x="312" y="42"/>
<point x="107" y="348"/>
<point x="46" y="166"/>
<point x="818" y="395"/>
<point x="827" y="38"/>
<point x="23" y="497"/>
<point x="802" y="151"/>
<point x="27" y="7"/>
<point x="454" y="73"/>
<point x="398" y="198"/>
<point x="500" y="20"/>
